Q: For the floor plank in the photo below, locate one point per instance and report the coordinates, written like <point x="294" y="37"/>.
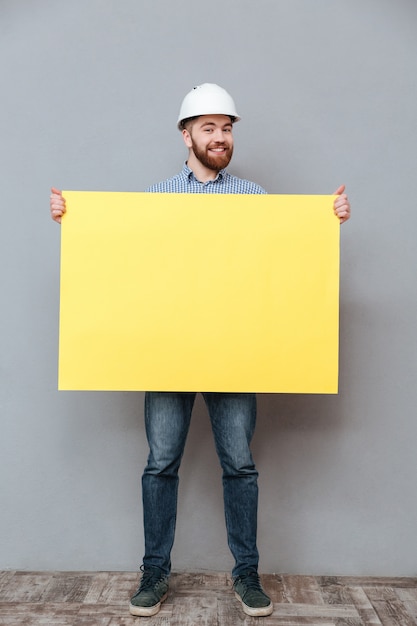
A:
<point x="204" y="599"/>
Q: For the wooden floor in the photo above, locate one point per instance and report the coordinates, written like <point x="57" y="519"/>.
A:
<point x="203" y="599"/>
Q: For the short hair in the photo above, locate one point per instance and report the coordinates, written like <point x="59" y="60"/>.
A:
<point x="187" y="120"/>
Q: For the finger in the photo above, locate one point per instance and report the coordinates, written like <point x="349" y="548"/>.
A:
<point x="340" y="190"/>
<point x="57" y="202"/>
<point x="343" y="213"/>
<point x="341" y="200"/>
<point x="57" y="191"/>
<point x="57" y="213"/>
<point x="56" y="216"/>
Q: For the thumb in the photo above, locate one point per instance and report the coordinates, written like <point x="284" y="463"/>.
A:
<point x="340" y="190"/>
<point x="54" y="190"/>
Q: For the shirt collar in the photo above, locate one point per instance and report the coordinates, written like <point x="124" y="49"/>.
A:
<point x="189" y="174"/>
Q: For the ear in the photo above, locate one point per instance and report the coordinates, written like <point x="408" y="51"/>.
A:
<point x="187" y="138"/>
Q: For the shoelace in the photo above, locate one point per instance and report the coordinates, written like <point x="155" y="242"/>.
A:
<point x="251" y="581"/>
<point x="149" y="579"/>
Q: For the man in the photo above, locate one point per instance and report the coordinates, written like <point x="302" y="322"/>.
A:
<point x="206" y="121"/>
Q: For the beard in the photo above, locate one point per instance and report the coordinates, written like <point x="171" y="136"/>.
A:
<point x="213" y="163"/>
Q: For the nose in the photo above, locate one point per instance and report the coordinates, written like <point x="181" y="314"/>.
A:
<point x="219" y="135"/>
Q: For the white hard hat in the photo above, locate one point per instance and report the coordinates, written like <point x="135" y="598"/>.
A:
<point x="207" y="99"/>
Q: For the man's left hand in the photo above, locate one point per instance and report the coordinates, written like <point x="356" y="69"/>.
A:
<point x="341" y="205"/>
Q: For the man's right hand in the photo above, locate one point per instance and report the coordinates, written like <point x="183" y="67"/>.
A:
<point x="57" y="205"/>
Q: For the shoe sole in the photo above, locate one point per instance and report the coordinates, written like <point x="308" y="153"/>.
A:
<point x="146" y="611"/>
<point x="261" y="611"/>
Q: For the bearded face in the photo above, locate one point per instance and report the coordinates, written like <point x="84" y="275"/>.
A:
<point x="215" y="156"/>
<point x="211" y="140"/>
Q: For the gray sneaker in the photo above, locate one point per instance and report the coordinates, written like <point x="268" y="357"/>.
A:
<point x="152" y="591"/>
<point x="249" y="591"/>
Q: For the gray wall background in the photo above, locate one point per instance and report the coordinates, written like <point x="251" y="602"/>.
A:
<point x="327" y="91"/>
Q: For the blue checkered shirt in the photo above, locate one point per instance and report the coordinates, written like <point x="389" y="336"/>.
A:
<point x="186" y="182"/>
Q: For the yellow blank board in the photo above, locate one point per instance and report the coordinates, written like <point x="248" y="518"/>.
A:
<point x="199" y="292"/>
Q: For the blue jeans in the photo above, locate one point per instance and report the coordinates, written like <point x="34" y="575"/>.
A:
<point x="167" y="420"/>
